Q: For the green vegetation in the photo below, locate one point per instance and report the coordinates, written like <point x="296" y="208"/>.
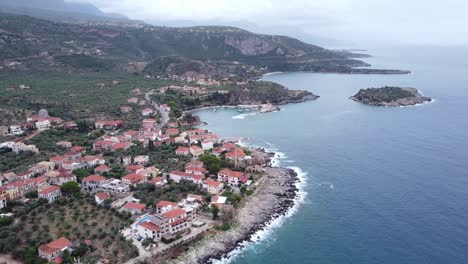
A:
<point x="225" y="226"/>
<point x="174" y="192"/>
<point x="72" y="96"/>
<point x="384" y="94"/>
<point x="75" y="218"/>
<point x="10" y="161"/>
<point x="6" y="221"/>
<point x="70" y="188"/>
<point x="215" y="211"/>
<point x="211" y="162"/>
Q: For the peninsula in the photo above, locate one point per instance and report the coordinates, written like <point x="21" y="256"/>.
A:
<point x="390" y="96"/>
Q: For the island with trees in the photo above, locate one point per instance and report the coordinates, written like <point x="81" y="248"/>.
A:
<point x="390" y="96"/>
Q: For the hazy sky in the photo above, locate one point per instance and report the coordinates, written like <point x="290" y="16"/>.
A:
<point x="347" y="22"/>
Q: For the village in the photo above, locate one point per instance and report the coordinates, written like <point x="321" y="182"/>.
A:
<point x="118" y="171"/>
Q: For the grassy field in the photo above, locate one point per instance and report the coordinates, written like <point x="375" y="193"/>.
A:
<point x="79" y="219"/>
<point x="72" y="95"/>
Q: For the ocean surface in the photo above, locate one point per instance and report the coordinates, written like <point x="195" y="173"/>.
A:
<point x="381" y="185"/>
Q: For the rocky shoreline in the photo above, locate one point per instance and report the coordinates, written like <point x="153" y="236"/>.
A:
<point x="275" y="196"/>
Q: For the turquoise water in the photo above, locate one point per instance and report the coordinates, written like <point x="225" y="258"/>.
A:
<point x="384" y="185"/>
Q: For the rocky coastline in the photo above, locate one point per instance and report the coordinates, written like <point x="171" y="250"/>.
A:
<point x="275" y="196"/>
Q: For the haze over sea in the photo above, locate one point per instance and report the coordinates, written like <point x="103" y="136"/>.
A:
<point x="384" y="185"/>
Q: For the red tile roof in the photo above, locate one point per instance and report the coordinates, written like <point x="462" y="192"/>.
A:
<point x="197" y="169"/>
<point x="230" y="173"/>
<point x="133" y="168"/>
<point x="49" y="190"/>
<point x="102" y="196"/>
<point x="213" y="183"/>
<point x="157" y="180"/>
<point x="55" y="245"/>
<point x="162" y="204"/>
<point x="150" y="226"/>
<point x="236" y="153"/>
<point x="135" y="206"/>
<point x="133" y="177"/>
<point x="96" y="178"/>
<point x="174" y="213"/>
<point x="101" y="168"/>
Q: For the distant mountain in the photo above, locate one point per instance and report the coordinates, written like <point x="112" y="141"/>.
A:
<point x="59" y="10"/>
<point x="29" y="43"/>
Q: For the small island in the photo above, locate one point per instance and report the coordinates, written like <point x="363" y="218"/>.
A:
<point x="390" y="96"/>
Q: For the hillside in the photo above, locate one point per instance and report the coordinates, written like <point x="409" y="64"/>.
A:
<point x="29" y="43"/>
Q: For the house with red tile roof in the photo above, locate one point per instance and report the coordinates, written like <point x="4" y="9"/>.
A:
<point x="134" y="168"/>
<point x="165" y="206"/>
<point x="196" y="170"/>
<point x="92" y="183"/>
<point x="103" y="145"/>
<point x="207" y="145"/>
<point x="133" y="179"/>
<point x="134" y="208"/>
<point x="55" y="249"/>
<point x="80" y="149"/>
<point x="101" y="197"/>
<point x="108" y="124"/>
<point x="237" y="153"/>
<point x="233" y="178"/>
<point x="57" y="160"/>
<point x="147" y="111"/>
<point x="198" y="164"/>
<point x="121" y="146"/>
<point x="183" y="151"/>
<point x="51" y="193"/>
<point x="213" y="187"/>
<point x="101" y="169"/>
<point x="149" y="230"/>
<point x="196" y="151"/>
<point x="178" y="176"/>
<point x="149" y="123"/>
<point x="131" y="135"/>
<point x="177" y="219"/>
<point x="172" y="131"/>
<point x="158" y="181"/>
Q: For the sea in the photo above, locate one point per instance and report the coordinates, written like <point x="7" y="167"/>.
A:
<point x="379" y="185"/>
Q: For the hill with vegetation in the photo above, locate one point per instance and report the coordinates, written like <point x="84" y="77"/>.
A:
<point x="390" y="96"/>
<point x="29" y="43"/>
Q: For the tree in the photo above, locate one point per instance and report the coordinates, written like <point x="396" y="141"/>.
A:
<point x="151" y="145"/>
<point x="6" y="220"/>
<point x="71" y="188"/>
<point x="214" y="211"/>
<point x="31" y="195"/>
<point x="211" y="162"/>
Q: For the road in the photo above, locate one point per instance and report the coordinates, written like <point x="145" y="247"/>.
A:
<point x="164" y="114"/>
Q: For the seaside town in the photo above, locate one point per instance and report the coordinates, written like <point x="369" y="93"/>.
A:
<point x="167" y="182"/>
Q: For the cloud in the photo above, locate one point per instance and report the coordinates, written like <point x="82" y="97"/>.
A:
<point x="363" y="21"/>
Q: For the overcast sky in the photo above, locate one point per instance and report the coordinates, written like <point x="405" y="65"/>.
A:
<point x="334" y="22"/>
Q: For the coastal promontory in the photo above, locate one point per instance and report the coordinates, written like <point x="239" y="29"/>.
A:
<point x="390" y="96"/>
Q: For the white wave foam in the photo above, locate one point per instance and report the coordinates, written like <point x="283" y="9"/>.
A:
<point x="266" y="232"/>
<point x="244" y="116"/>
<point x="271" y="73"/>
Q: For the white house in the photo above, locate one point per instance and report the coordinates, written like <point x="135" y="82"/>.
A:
<point x="51" y="193"/>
